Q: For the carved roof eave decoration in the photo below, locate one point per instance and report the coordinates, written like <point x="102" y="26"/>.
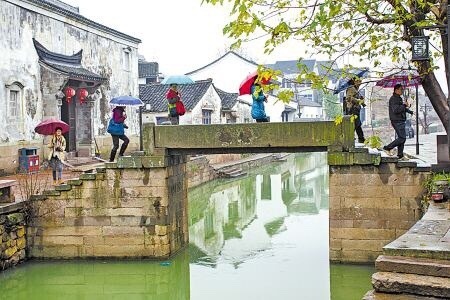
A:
<point x="77" y="17"/>
<point x="69" y="65"/>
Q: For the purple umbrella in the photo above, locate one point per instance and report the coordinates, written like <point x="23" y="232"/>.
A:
<point x="404" y="78"/>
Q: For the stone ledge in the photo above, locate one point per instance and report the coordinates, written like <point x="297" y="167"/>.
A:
<point x="400" y="264"/>
<point x="372" y="295"/>
<point x="63" y="187"/>
<point x="51" y="193"/>
<point x="12" y="207"/>
<point x="410" y="283"/>
<point x="88" y="176"/>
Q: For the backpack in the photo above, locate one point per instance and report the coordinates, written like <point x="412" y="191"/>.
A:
<point x="179" y="106"/>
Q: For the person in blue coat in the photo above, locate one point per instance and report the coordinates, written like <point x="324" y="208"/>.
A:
<point x="258" y="111"/>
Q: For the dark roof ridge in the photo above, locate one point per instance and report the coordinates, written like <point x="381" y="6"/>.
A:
<point x="216" y="60"/>
<point x="70" y="14"/>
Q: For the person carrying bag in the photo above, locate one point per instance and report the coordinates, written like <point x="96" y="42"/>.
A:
<point x="116" y="128"/>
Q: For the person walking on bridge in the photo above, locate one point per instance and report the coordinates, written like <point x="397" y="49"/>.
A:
<point x="397" y="114"/>
<point x="354" y="101"/>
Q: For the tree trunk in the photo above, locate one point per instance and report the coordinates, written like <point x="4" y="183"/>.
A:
<point x="435" y="94"/>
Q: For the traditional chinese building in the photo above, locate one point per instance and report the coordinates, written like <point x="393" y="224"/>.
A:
<point x="57" y="63"/>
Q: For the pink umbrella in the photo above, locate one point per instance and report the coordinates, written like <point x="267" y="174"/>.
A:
<point x="48" y="127"/>
<point x="404" y="78"/>
<point x="246" y="84"/>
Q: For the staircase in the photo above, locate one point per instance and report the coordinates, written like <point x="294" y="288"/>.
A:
<point x="232" y="172"/>
<point x="416" y="266"/>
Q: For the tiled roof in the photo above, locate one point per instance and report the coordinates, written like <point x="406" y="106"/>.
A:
<point x="71" y="13"/>
<point x="307" y="102"/>
<point x="148" y="69"/>
<point x="67" y="64"/>
<point x="155" y="94"/>
<point x="228" y="53"/>
<point x="290" y="66"/>
<point x="228" y="99"/>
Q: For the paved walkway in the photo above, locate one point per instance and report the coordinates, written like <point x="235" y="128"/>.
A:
<point x="427" y="147"/>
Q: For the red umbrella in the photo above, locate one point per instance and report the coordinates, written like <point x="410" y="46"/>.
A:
<point x="246" y="84"/>
<point x="404" y="78"/>
<point x="48" y="127"/>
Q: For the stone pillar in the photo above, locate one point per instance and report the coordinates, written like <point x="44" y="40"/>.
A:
<point x="12" y="235"/>
<point x="371" y="204"/>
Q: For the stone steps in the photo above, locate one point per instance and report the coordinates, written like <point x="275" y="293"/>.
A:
<point x="431" y="286"/>
<point x="419" y="266"/>
<point x="232" y="172"/>
<point x="372" y="295"/>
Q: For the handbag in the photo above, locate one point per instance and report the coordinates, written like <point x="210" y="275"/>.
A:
<point x="115" y="128"/>
<point x="179" y="106"/>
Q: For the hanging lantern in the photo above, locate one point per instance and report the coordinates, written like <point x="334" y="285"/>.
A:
<point x="82" y="94"/>
<point x="69" y="93"/>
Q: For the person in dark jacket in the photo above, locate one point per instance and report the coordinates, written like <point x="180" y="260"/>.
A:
<point x="354" y="101"/>
<point x="119" y="116"/>
<point x="173" y="96"/>
<point x="397" y="114"/>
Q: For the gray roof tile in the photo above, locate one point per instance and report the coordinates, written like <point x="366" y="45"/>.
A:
<point x="228" y="99"/>
<point x="155" y="94"/>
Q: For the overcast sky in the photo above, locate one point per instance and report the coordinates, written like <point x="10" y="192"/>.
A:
<point x="181" y="35"/>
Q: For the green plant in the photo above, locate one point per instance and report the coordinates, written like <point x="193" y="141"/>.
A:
<point x="431" y="186"/>
<point x="373" y="141"/>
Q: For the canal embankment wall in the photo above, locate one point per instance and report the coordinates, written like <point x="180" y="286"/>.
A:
<point x="373" y="201"/>
<point x="13" y="242"/>
<point x="122" y="211"/>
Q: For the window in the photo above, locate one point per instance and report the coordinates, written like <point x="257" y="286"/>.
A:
<point x="206" y="116"/>
<point x="126" y="60"/>
<point x="13" y="104"/>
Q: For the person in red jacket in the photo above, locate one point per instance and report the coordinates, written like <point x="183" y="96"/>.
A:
<point x="173" y="95"/>
<point x="119" y="116"/>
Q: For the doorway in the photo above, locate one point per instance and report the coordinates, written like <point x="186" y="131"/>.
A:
<point x="68" y="115"/>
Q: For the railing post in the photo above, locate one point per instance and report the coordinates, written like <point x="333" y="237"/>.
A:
<point x="148" y="137"/>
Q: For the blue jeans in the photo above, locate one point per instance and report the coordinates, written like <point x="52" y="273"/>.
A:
<point x="399" y="142"/>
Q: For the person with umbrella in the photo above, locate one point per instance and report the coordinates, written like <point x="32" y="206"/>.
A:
<point x="116" y="129"/>
<point x="173" y="96"/>
<point x="397" y="115"/>
<point x="258" y="110"/>
<point x="56" y="128"/>
<point x="354" y="101"/>
<point x="56" y="157"/>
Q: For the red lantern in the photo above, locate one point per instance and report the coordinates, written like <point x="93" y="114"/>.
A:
<point x="82" y="94"/>
<point x="69" y="93"/>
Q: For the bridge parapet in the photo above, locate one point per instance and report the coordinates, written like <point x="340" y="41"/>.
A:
<point x="250" y="137"/>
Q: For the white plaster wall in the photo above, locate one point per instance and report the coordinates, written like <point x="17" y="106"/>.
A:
<point x="227" y="73"/>
<point x="210" y="99"/>
<point x="19" y="62"/>
<point x="311" y="112"/>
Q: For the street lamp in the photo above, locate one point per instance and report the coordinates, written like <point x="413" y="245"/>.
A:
<point x="148" y="106"/>
<point x="420" y="48"/>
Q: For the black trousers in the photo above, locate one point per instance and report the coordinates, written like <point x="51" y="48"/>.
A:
<point x="399" y="142"/>
<point x="115" y="139"/>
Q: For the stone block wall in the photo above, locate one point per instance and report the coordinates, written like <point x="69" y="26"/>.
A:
<point x="136" y="207"/>
<point x="12" y="237"/>
<point x="199" y="171"/>
<point x="370" y="206"/>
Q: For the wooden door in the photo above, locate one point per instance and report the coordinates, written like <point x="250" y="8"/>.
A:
<point x="68" y="115"/>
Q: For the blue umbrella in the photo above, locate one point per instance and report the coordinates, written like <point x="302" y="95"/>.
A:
<point x="344" y="83"/>
<point x="178" y="79"/>
<point x="126" y="101"/>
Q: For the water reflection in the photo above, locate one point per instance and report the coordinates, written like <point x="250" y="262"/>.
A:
<point x="264" y="236"/>
<point x="98" y="280"/>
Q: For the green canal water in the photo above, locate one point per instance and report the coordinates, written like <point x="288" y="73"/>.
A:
<point x="264" y="236"/>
